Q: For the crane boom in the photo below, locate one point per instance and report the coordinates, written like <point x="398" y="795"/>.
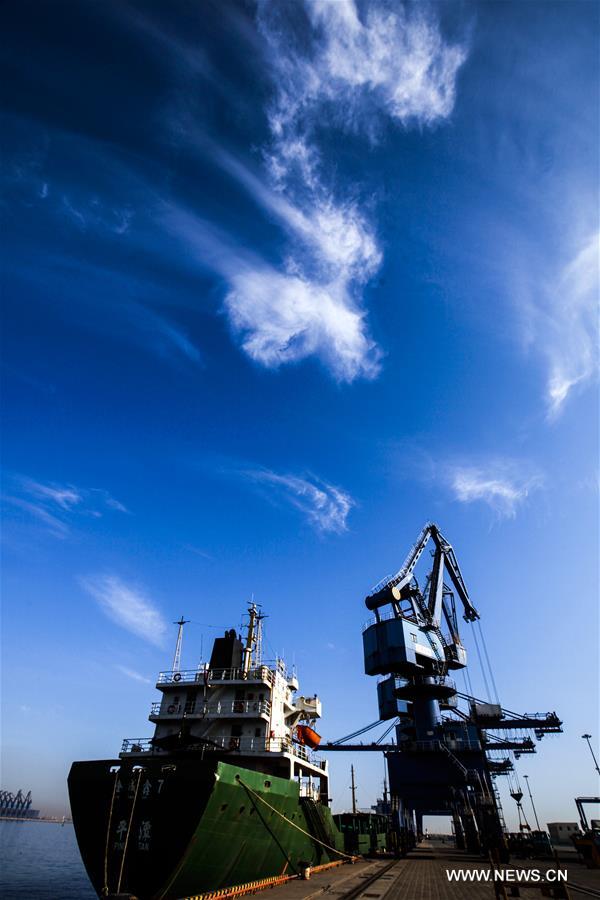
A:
<point x="453" y="570"/>
<point x="390" y="589"/>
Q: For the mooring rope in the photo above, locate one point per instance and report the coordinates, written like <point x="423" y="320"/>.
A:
<point x="137" y="787"/>
<point x="271" y="832"/>
<point x="112" y="803"/>
<point x="293" y="824"/>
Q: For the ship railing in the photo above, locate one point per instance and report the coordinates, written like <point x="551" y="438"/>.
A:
<point x="386" y="616"/>
<point x="202" y="675"/>
<point x="262" y="673"/>
<point x="303" y="752"/>
<point x="312" y="791"/>
<point x="383" y="617"/>
<point x="269" y="745"/>
<point x="195" y="708"/>
<point x="137" y="745"/>
<point x="237" y="745"/>
<point x="451" y="643"/>
<point x="251" y="744"/>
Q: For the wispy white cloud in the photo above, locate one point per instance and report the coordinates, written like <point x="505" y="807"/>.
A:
<point x="159" y="332"/>
<point x="281" y="317"/>
<point x="335" y="67"/>
<point x="381" y="58"/>
<point x="135" y="676"/>
<point x="556" y="293"/>
<point x="198" y="551"/>
<point x="339" y="70"/>
<point x="340" y="73"/>
<point x="325" y="506"/>
<point x="51" y="522"/>
<point x="287" y="317"/>
<point x="127" y="606"/>
<point x="572" y="325"/>
<point x="55" y="505"/>
<point x="91" y="212"/>
<point x="128" y="306"/>
<point x="115" y="504"/>
<point x="503" y="485"/>
<point x="64" y="496"/>
<point x="75" y="214"/>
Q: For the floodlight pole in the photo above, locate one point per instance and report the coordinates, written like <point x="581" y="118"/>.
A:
<point x="587" y="738"/>
<point x="537" y="821"/>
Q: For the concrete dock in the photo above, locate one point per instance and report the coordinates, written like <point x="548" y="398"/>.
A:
<point x="422" y="875"/>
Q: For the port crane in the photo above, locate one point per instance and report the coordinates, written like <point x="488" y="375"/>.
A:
<point x="443" y="759"/>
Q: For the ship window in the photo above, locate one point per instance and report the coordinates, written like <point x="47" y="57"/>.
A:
<point x="242" y="808"/>
<point x="223" y="807"/>
<point x="236" y="730"/>
<point x="413" y="637"/>
<point x="267" y="784"/>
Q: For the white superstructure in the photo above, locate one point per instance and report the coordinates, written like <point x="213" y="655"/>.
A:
<point x="241" y="707"/>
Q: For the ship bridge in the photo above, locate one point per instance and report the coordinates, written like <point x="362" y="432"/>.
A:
<point x="240" y="706"/>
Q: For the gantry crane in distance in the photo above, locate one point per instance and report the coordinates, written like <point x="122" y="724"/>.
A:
<point x="439" y="762"/>
<point x="17" y="806"/>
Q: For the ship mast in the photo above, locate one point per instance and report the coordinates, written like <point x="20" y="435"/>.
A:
<point x="177" y="657"/>
<point x="253" y="637"/>
<point x="353" y="789"/>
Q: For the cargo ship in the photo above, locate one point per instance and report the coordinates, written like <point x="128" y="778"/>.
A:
<point x="228" y="791"/>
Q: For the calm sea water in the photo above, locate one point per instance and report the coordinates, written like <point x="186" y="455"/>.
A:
<point x="40" y="861"/>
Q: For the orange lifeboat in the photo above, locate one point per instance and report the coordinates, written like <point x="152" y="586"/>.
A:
<point x="307" y="735"/>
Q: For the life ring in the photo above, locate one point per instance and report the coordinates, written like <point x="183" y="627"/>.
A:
<point x="177" y="676"/>
<point x="171" y="709"/>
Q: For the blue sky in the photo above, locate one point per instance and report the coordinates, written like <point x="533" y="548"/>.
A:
<point x="282" y="282"/>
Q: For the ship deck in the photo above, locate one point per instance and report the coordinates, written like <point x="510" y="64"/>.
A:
<point x="422" y="876"/>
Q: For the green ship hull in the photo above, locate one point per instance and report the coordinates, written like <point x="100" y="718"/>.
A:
<point x="164" y="828"/>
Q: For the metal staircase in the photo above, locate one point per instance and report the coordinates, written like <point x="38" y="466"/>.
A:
<point x="442" y="661"/>
<point x="316" y="824"/>
<point x="496" y="793"/>
<point x="455" y="761"/>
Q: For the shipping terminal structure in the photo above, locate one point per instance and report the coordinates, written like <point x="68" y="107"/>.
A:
<point x="445" y="759"/>
<point x="229" y="791"/>
<point x="17" y="806"/>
